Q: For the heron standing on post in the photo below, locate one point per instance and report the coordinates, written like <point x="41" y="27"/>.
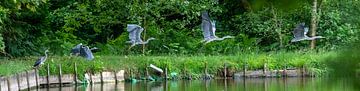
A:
<point x="135" y="35"/>
<point x="209" y="29"/>
<point x="41" y="60"/>
<point x="300" y="33"/>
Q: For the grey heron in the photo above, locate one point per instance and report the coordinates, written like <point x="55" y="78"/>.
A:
<point x="135" y="35"/>
<point x="41" y="60"/>
<point x="209" y="29"/>
<point x="76" y="50"/>
<point x="86" y="52"/>
<point x="300" y="33"/>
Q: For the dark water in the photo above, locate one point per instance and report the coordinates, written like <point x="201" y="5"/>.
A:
<point x="264" y="84"/>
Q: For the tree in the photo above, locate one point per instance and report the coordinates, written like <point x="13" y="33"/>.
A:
<point x="314" y="21"/>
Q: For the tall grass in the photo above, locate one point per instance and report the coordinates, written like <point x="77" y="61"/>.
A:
<point x="193" y="65"/>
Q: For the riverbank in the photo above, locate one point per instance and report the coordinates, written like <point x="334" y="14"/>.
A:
<point x="183" y="65"/>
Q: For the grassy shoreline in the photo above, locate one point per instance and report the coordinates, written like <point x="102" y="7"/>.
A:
<point x="182" y="64"/>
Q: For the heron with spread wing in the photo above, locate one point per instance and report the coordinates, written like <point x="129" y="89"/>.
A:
<point x="76" y="50"/>
<point x="300" y="33"/>
<point x="209" y="29"/>
<point x="135" y="35"/>
<point x="85" y="52"/>
<point x="41" y="60"/>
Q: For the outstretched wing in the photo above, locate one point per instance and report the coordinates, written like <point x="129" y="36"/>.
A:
<point x="206" y="25"/>
<point x="213" y="29"/>
<point x="86" y="52"/>
<point x="131" y="28"/>
<point x="138" y="34"/>
<point x="76" y="49"/>
<point x="299" y="31"/>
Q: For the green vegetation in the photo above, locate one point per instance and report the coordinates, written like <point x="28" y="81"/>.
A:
<point x="262" y="31"/>
<point x="29" y="27"/>
<point x="193" y="65"/>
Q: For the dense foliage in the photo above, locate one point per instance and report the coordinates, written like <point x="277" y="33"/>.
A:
<point x="30" y="26"/>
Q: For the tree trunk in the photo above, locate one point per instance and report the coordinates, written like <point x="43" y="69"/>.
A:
<point x="144" y="26"/>
<point x="277" y="26"/>
<point x="313" y="23"/>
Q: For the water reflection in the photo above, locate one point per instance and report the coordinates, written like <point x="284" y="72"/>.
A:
<point x="263" y="84"/>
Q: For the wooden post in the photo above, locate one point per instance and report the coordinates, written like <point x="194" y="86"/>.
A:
<point x="91" y="79"/>
<point x="147" y="74"/>
<point x="27" y="80"/>
<point x="101" y="77"/>
<point x="130" y="73"/>
<point x="302" y="71"/>
<point x="265" y="70"/>
<point x="75" y="73"/>
<point x="48" y="75"/>
<point x="244" y="70"/>
<point x="8" y="84"/>
<point x="36" y="78"/>
<point x="1" y="81"/>
<point x="18" y="81"/>
<point x="166" y="76"/>
<point x="284" y="72"/>
<point x="206" y="68"/>
<point x="225" y="71"/>
<point x="115" y="74"/>
<point x="60" y="75"/>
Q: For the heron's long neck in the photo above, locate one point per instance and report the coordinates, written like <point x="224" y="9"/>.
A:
<point x="147" y="41"/>
<point x="226" y="37"/>
<point x="46" y="55"/>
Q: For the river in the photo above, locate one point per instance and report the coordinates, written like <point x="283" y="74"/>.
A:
<point x="250" y="84"/>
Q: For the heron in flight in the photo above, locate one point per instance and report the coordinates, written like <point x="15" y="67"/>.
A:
<point x="135" y="35"/>
<point x="86" y="52"/>
<point x="76" y="50"/>
<point x="300" y="34"/>
<point x="41" y="60"/>
<point x="209" y="29"/>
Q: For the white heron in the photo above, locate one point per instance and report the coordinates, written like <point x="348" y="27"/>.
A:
<point x="41" y="60"/>
<point x="209" y="29"/>
<point x="300" y="33"/>
<point x="135" y="35"/>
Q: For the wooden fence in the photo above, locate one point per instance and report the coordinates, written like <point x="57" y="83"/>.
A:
<point x="31" y="79"/>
